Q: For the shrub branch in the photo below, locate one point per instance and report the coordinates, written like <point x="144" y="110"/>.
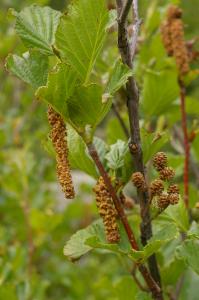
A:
<point x="135" y="140"/>
<point x="152" y="285"/>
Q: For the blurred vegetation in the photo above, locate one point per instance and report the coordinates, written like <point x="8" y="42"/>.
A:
<point x="36" y="221"/>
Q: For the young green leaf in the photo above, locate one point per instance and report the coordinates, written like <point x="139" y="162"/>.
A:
<point x="31" y="67"/>
<point x="118" y="78"/>
<point x="116" y="155"/>
<point x="81" y="34"/>
<point x="76" y="246"/>
<point x="36" y="26"/>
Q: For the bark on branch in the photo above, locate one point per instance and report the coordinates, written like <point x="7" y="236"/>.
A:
<point x="135" y="141"/>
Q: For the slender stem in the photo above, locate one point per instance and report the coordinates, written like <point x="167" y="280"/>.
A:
<point x="154" y="288"/>
<point x="186" y="143"/>
<point x="123" y="125"/>
<point x="139" y="284"/>
<point x="192" y="163"/>
<point x="135" y="141"/>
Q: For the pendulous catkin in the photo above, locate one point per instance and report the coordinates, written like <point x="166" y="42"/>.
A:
<point x="173" y="38"/>
<point x="107" y="211"/>
<point x="58" y="137"/>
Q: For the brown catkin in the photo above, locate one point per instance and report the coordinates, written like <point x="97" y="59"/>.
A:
<point x="167" y="174"/>
<point x="156" y="187"/>
<point x="160" y="161"/>
<point x="174" y="198"/>
<point x="139" y="181"/>
<point x="173" y="189"/>
<point x="107" y="211"/>
<point x="163" y="201"/>
<point x="58" y="137"/>
<point x="173" y="39"/>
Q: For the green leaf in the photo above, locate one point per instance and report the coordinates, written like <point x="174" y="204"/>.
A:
<point x="31" y="67"/>
<point x="36" y="26"/>
<point x="114" y="130"/>
<point x="152" y="143"/>
<point x="81" y="106"/>
<point x="85" y="107"/>
<point x="159" y="92"/>
<point x="125" y="288"/>
<point x="60" y="86"/>
<point x="76" y="246"/>
<point x="78" y="155"/>
<point x="193" y="231"/>
<point x="178" y="215"/>
<point x="116" y="155"/>
<point x="160" y="238"/>
<point x="81" y="34"/>
<point x="189" y="251"/>
<point x="189" y="289"/>
<point x="172" y="272"/>
<point x="118" y="78"/>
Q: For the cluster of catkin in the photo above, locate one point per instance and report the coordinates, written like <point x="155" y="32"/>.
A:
<point x="107" y="211"/>
<point x="58" y="137"/>
<point x="173" y="38"/>
<point x="161" y="197"/>
<point x="158" y="194"/>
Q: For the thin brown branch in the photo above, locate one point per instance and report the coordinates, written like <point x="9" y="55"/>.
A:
<point x="153" y="286"/>
<point x="186" y="143"/>
<point x="121" y="121"/>
<point x="139" y="284"/>
<point x="193" y="165"/>
<point x="135" y="140"/>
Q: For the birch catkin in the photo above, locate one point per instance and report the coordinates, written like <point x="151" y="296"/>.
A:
<point x="173" y="38"/>
<point x="58" y="137"/>
<point x="107" y="211"/>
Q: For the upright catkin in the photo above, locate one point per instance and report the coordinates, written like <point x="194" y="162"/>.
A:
<point x="58" y="136"/>
<point x="173" y="38"/>
<point x="107" y="211"/>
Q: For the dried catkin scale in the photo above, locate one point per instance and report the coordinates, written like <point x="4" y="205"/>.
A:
<point x="167" y="174"/>
<point x="58" y="137"/>
<point x="138" y="181"/>
<point x="156" y="187"/>
<point x="160" y="161"/>
<point x="107" y="211"/>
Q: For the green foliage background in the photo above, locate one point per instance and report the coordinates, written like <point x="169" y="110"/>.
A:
<point x="34" y="215"/>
